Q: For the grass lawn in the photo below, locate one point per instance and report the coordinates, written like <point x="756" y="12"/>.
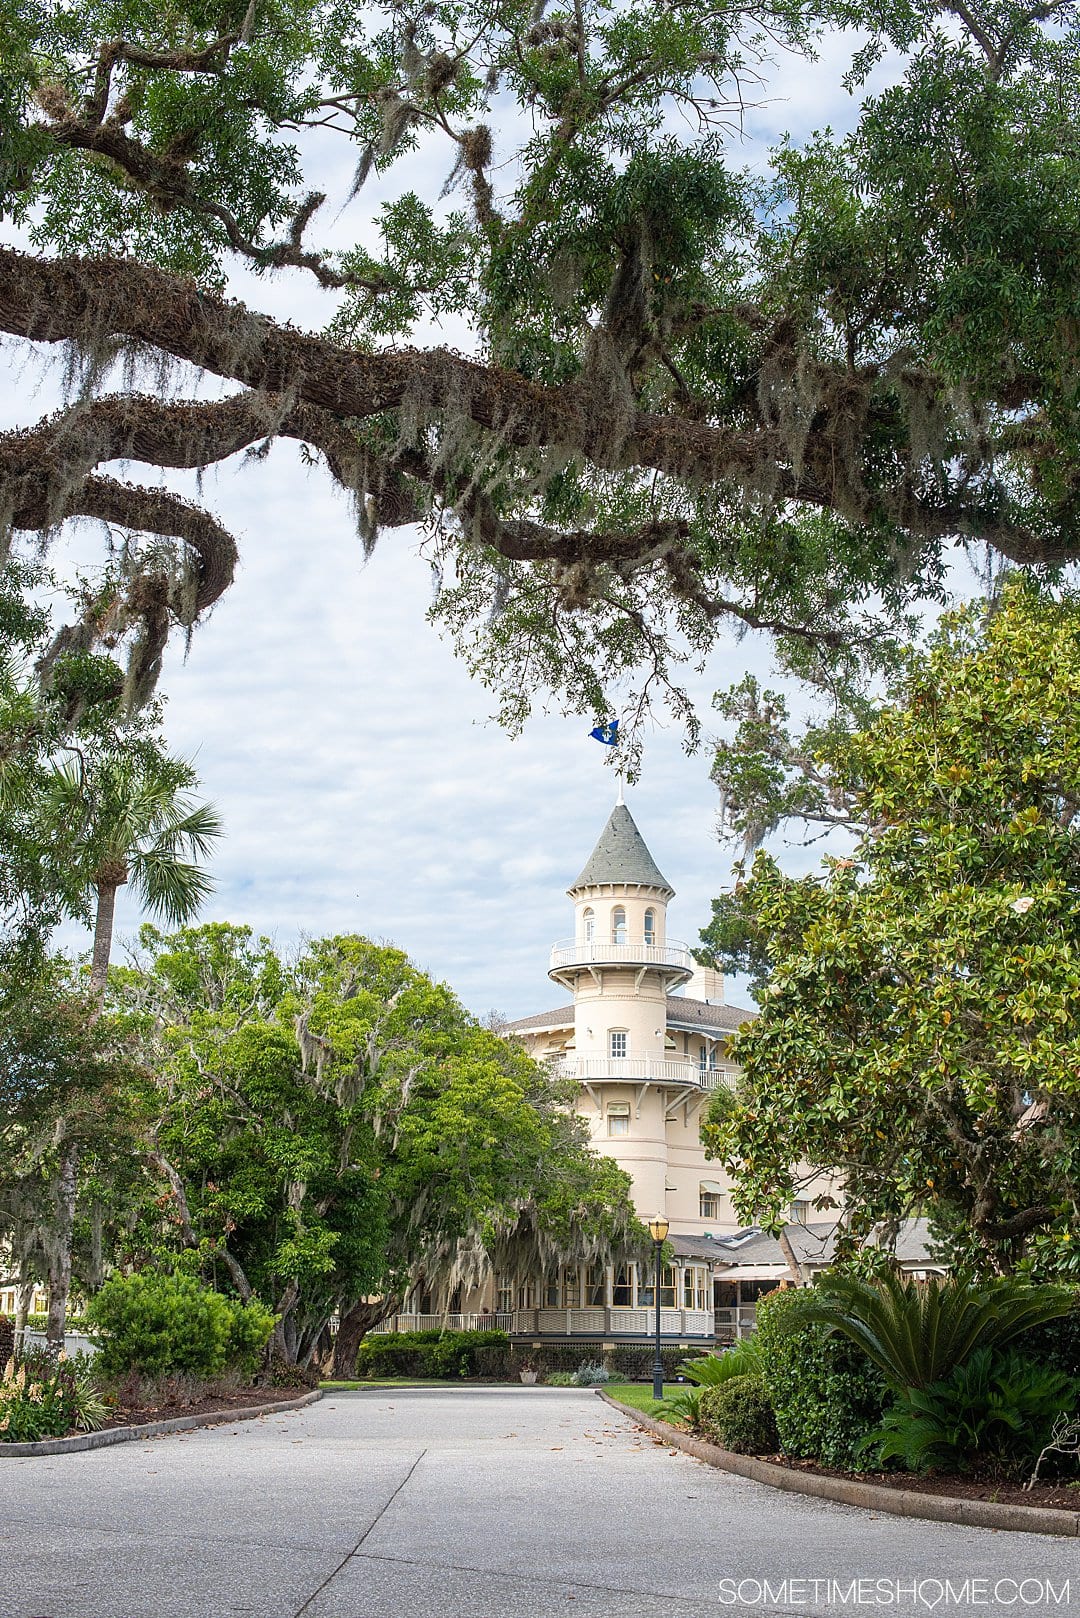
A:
<point x="639" y="1394"/>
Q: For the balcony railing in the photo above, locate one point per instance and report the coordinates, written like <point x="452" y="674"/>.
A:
<point x="639" y="952"/>
<point x="491" y="1321"/>
<point x="644" y="1070"/>
<point x="598" y="1320"/>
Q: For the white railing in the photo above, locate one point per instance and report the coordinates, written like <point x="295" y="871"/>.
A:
<point x="597" y="952"/>
<point x="714" y="1078"/>
<point x="610" y="1320"/>
<point x="648" y="1068"/>
<point x="479" y="1322"/>
<point x="598" y="1320"/>
<point x="645" y="1069"/>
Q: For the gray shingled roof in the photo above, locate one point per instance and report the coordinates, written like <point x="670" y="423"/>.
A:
<point x="621" y="857"/>
<point x="681" y="1013"/>
<point x="563" y="1017"/>
<point x="813" y="1244"/>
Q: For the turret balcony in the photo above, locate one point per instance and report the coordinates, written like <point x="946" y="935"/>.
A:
<point x="643" y="1070"/>
<point x="670" y="957"/>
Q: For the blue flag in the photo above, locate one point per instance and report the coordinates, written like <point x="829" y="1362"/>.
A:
<point x="608" y="734"/>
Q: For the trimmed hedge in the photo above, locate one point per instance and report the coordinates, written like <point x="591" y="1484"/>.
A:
<point x="738" y="1414"/>
<point x="490" y="1356"/>
<point x="826" y="1394"/>
<point x="156" y="1324"/>
<point x="431" y="1353"/>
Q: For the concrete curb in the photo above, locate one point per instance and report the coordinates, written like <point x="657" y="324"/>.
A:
<point x="868" y="1496"/>
<point x="151" y="1429"/>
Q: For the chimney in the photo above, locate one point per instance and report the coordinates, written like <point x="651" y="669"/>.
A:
<point x="706" y="985"/>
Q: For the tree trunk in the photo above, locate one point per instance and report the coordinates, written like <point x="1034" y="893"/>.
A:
<point x="282" y="1343"/>
<point x="61" y="1244"/>
<point x="24" y="1293"/>
<point x="357" y="1319"/>
<point x="103" y="932"/>
<point x="790" y="1259"/>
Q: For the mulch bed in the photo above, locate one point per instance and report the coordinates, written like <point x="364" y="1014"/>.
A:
<point x="168" y="1410"/>
<point x="1057" y="1493"/>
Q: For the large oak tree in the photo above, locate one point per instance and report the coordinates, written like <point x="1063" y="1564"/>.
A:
<point x="696" y="393"/>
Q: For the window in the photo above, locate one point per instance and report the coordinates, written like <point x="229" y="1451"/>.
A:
<point x="617" y="1042"/>
<point x="551" y="1291"/>
<point x="650" y="926"/>
<point x="618" y="925"/>
<point x="709" y="1194"/>
<point x="572" y="1287"/>
<point x="703" y="1058"/>
<point x="588" y="918"/>
<point x="527" y="1295"/>
<point x="800" y="1212"/>
<point x="622" y="1293"/>
<point x="618" y="1118"/>
<point x="668" y="1292"/>
<point x="695" y="1290"/>
<point x="504" y="1297"/>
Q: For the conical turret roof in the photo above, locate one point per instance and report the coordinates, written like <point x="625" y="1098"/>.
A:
<point x="621" y="858"/>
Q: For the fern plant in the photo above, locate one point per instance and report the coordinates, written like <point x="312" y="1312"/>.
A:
<point x="996" y="1409"/>
<point x="709" y="1371"/>
<point x="918" y="1332"/>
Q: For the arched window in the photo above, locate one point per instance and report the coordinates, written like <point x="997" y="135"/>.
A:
<point x="618" y="925"/>
<point x="588" y="920"/>
<point x="650" y="926"/>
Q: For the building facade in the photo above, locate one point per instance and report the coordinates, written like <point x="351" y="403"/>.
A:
<point x="645" y="1033"/>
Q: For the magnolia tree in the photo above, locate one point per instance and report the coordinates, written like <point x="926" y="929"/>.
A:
<point x="697" y="391"/>
<point x="920" y="1023"/>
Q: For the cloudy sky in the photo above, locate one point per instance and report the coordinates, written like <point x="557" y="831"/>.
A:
<point x="361" y="784"/>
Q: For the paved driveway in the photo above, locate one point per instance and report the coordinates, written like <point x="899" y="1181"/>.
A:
<point x="515" y="1503"/>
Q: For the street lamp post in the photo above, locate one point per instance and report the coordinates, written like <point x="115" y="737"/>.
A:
<point x="658" y="1229"/>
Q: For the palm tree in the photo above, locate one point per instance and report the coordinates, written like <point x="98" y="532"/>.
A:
<point x="127" y="819"/>
<point x="135" y="823"/>
<point x="916" y="1332"/>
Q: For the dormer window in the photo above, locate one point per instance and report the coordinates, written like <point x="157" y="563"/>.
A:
<point x="650" y="926"/>
<point x="618" y="925"/>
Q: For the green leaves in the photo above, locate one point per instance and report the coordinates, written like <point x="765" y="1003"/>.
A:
<point x="338" y="1126"/>
<point x="921" y="1006"/>
<point x="917" y="1332"/>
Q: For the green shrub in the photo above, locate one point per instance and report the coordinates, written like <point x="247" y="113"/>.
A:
<point x="738" y="1415"/>
<point x="633" y="1362"/>
<point x="1057" y="1342"/>
<point x="42" y="1398"/>
<point x="995" y="1409"/>
<point x="560" y="1379"/>
<point x="436" y="1354"/>
<point x="683" y="1407"/>
<point x="708" y="1371"/>
<point x="72" y="1322"/>
<point x="826" y="1394"/>
<point x="591" y="1374"/>
<point x="916" y="1332"/>
<point x="155" y="1324"/>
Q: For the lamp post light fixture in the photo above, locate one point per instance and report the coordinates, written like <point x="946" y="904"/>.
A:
<point x="658" y="1229"/>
